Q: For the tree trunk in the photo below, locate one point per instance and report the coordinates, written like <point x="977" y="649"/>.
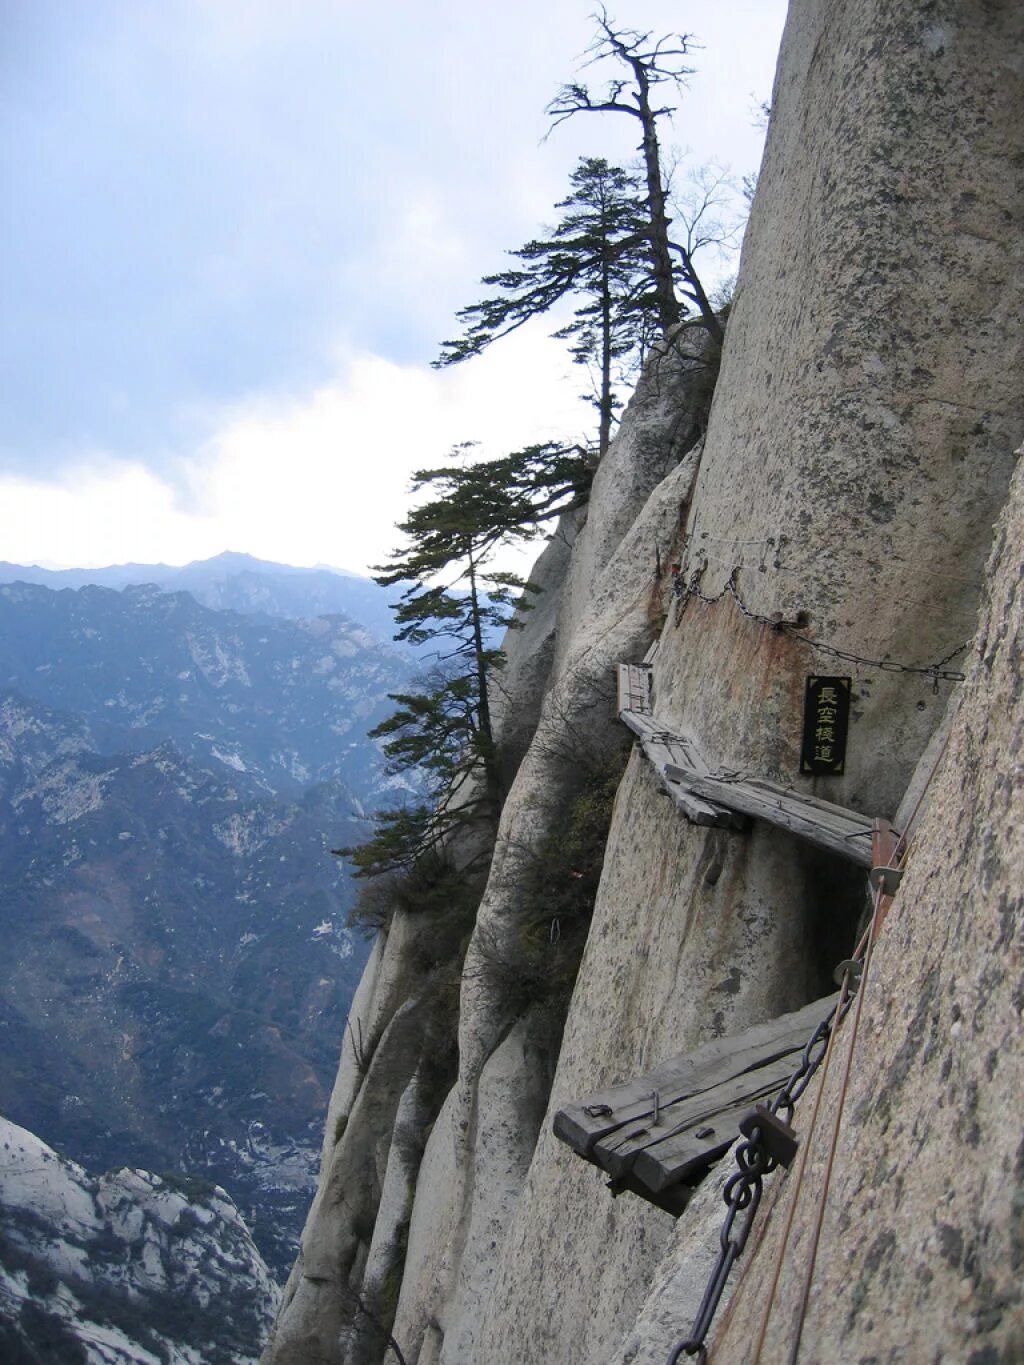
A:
<point x="493" y="780"/>
<point x="661" y="256"/>
<point x="604" y="407"/>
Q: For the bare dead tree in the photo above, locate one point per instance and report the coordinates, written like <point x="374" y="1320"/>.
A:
<point x="651" y="63"/>
<point x="705" y="208"/>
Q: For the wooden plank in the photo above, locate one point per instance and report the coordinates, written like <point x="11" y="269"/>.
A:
<point x="673" y="1199"/>
<point x="678" y="1124"/>
<point x="634" y="721"/>
<point x="638" y="687"/>
<point x="634" y="688"/>
<point x="849" y="839"/>
<point x="841" y="816"/>
<point x="686" y="1158"/>
<point x="703" y="798"/>
<point x="661" y="753"/>
<point x="621" y="688"/>
<point x="807" y="799"/>
<point x="647" y="728"/>
<point x="662" y="748"/>
<point x="677" y="779"/>
<point x="586" y="1122"/>
<point x="838" y="818"/>
<point x="698" y="812"/>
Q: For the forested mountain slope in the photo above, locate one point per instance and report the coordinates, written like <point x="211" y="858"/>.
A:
<point x="176" y="970"/>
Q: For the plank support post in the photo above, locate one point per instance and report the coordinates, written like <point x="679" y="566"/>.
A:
<point x="883" y="877"/>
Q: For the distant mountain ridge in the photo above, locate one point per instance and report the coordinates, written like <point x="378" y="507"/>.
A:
<point x="279" y="704"/>
<point x="238" y="582"/>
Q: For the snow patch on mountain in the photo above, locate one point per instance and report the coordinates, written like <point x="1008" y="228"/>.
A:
<point x="129" y="1267"/>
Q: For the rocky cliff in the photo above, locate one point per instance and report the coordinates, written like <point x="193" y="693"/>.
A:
<point x="834" y="516"/>
<point x="125" y="1268"/>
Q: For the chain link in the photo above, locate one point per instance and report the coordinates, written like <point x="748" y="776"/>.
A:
<point x="938" y="671"/>
<point x="742" y="1191"/>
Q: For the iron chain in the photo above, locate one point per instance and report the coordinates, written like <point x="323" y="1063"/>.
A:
<point x="742" y="1192"/>
<point x="938" y="671"/>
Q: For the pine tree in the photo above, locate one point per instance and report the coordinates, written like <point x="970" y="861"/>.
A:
<point x="597" y="252"/>
<point x="445" y="732"/>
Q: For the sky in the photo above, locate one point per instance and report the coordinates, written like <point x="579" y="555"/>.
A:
<point x="236" y="231"/>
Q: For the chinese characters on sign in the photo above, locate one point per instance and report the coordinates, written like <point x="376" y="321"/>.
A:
<point x="826" y="718"/>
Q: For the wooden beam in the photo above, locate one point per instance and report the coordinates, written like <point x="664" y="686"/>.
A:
<point x="634" y="688"/>
<point x="697" y="1129"/>
<point x="846" y="833"/>
<point x="686" y="1158"/>
<point x="586" y="1122"/>
<point x="662" y="748"/>
<point x="708" y="800"/>
<point x="673" y="1199"/>
<point x="658" y="1134"/>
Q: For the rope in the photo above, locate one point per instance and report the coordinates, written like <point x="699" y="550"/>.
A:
<point x="743" y="1191"/>
<point x="871" y="934"/>
<point x="798" y="1183"/>
<point x="805" y="1292"/>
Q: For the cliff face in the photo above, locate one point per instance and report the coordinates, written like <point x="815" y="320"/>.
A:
<point x="859" y="450"/>
<point x="124" y="1268"/>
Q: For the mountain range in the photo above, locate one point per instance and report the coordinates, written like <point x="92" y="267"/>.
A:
<point x="237" y="582"/>
<point x="175" y="968"/>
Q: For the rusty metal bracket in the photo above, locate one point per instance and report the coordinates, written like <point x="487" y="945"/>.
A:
<point x="886" y="878"/>
<point x="777" y="1137"/>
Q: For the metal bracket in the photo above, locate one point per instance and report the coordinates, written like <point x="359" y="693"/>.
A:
<point x="888" y="878"/>
<point x="778" y="1139"/>
<point x="854" y="969"/>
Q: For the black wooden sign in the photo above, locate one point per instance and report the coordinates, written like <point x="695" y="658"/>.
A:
<point x="826" y="720"/>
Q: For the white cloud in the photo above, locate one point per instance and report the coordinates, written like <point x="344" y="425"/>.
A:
<point x="320" y="477"/>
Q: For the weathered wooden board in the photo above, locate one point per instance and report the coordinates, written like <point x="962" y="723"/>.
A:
<point x="684" y="1159"/>
<point x="679" y="1124"/>
<point x="673" y="1199"/>
<point x="832" y="827"/>
<point x="661" y="753"/>
<point x="647" y="729"/>
<point x="662" y="748"/>
<point x="842" y="816"/>
<point x="634" y="684"/>
<point x="586" y="1122"/>
<point x="658" y="1134"/>
<point x="708" y="800"/>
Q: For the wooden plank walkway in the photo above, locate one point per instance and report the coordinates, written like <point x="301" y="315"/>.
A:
<point x="835" y="828"/>
<point x="707" y="798"/>
<point x="658" y="1134"/>
<point x="664" y="750"/>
